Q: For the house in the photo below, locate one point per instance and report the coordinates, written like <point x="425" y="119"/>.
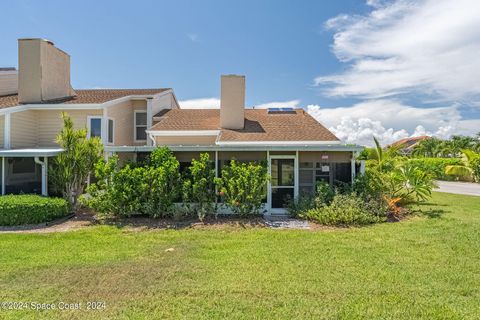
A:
<point x="407" y="145"/>
<point x="132" y="122"/>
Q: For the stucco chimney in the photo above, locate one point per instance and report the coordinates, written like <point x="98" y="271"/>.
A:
<point x="232" y="102"/>
<point x="44" y="72"/>
<point x="8" y="81"/>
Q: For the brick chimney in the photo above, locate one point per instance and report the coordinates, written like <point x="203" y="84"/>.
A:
<point x="232" y="102"/>
<point x="44" y="72"/>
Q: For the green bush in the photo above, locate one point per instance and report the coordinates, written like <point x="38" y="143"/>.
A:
<point x="435" y="166"/>
<point x="243" y="186"/>
<point x="199" y="187"/>
<point x="151" y="189"/>
<point x="30" y="209"/>
<point x="348" y="209"/>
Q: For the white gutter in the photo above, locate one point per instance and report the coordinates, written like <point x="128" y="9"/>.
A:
<point x="278" y="143"/>
<point x="183" y="133"/>
<point x="44" y="165"/>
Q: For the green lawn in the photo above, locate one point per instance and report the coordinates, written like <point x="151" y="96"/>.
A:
<point x="427" y="267"/>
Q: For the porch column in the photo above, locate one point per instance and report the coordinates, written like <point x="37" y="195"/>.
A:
<point x="362" y="167"/>
<point x="216" y="175"/>
<point x="269" y="185"/>
<point x="352" y="162"/>
<point x="3" y="175"/>
<point x="296" y="175"/>
<point x="44" y="165"/>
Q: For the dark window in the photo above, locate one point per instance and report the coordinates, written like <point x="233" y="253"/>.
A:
<point x="110" y="131"/>
<point x="140" y="126"/>
<point x="95" y="127"/>
<point x="23" y="165"/>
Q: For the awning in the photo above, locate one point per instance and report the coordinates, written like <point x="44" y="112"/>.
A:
<point x="16" y="153"/>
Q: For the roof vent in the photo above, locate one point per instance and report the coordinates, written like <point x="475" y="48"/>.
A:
<point x="281" y="110"/>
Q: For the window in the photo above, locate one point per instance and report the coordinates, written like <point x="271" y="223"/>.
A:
<point x="110" y="131"/>
<point x="95" y="127"/>
<point x="140" y="126"/>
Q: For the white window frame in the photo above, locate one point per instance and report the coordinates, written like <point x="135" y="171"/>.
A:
<point x="135" y="125"/>
<point x="107" y="131"/>
<point x="89" y="120"/>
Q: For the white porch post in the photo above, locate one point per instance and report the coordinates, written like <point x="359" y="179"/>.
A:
<point x="362" y="167"/>
<point x="296" y="175"/>
<point x="269" y="185"/>
<point x="352" y="163"/>
<point x="43" y="164"/>
<point x="216" y="175"/>
<point x="3" y="175"/>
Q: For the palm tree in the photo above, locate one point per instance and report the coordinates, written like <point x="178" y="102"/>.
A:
<point x="470" y="167"/>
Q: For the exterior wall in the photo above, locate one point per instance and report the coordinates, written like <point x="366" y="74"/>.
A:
<point x="8" y="82"/>
<point x="23" y="129"/>
<point x="242" y="155"/>
<point x="122" y="115"/>
<point x="2" y="126"/>
<point x="50" y="123"/>
<point x="39" y="128"/>
<point x="185" y="141"/>
<point x="312" y="156"/>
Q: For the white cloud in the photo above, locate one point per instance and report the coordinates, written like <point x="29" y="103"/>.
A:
<point x="426" y="47"/>
<point x="390" y="120"/>
<point x="282" y="104"/>
<point x="203" y="103"/>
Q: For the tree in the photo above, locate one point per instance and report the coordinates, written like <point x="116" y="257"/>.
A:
<point x="470" y="167"/>
<point x="71" y="168"/>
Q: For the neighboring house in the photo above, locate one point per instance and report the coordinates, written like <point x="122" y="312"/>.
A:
<point x="132" y="122"/>
<point x="407" y="145"/>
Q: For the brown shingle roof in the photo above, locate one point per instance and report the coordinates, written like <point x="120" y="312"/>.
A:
<point x="259" y="125"/>
<point x="86" y="96"/>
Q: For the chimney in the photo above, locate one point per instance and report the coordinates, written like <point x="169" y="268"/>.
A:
<point x="8" y="81"/>
<point x="232" y="102"/>
<point x="44" y="72"/>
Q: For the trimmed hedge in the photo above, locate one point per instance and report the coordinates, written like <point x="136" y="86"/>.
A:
<point x="30" y="209"/>
<point x="436" y="166"/>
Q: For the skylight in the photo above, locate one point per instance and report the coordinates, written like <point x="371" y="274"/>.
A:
<point x="281" y="110"/>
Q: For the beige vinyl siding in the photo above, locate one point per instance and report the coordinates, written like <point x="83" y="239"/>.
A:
<point x="39" y="128"/>
<point x="185" y="141"/>
<point x="23" y="129"/>
<point x="50" y="123"/>
<point x="2" y="126"/>
<point x="123" y="115"/>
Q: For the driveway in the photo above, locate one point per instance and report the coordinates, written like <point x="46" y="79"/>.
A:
<point x="472" y="189"/>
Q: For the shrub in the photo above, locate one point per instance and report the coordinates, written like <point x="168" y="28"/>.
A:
<point x="435" y="166"/>
<point x="30" y="209"/>
<point x="348" y="209"/>
<point x="242" y="186"/>
<point x="151" y="189"/>
<point x="199" y="187"/>
<point x="323" y="195"/>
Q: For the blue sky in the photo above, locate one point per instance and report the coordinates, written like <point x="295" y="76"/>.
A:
<point x="319" y="55"/>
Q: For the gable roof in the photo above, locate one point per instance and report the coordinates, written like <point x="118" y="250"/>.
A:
<point x="88" y="96"/>
<point x="259" y="125"/>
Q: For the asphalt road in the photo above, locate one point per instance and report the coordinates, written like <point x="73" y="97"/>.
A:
<point x="472" y="189"/>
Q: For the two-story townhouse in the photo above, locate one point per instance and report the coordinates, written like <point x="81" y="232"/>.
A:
<point x="132" y="122"/>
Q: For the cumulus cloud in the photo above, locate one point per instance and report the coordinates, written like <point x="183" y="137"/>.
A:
<point x="281" y="104"/>
<point x="390" y="120"/>
<point x="402" y="47"/>
<point x="203" y="103"/>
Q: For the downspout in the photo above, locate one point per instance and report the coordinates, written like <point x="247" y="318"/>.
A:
<point x="3" y="175"/>
<point x="44" y="164"/>
<point x="153" y="139"/>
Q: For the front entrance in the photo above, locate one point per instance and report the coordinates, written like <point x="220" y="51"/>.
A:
<point x="283" y="184"/>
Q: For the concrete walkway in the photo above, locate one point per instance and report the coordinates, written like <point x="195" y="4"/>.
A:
<point x="286" y="223"/>
<point x="468" y="188"/>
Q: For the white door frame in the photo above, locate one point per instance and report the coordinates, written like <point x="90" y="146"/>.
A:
<point x="294" y="157"/>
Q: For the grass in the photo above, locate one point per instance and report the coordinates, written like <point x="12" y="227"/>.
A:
<point x="427" y="267"/>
